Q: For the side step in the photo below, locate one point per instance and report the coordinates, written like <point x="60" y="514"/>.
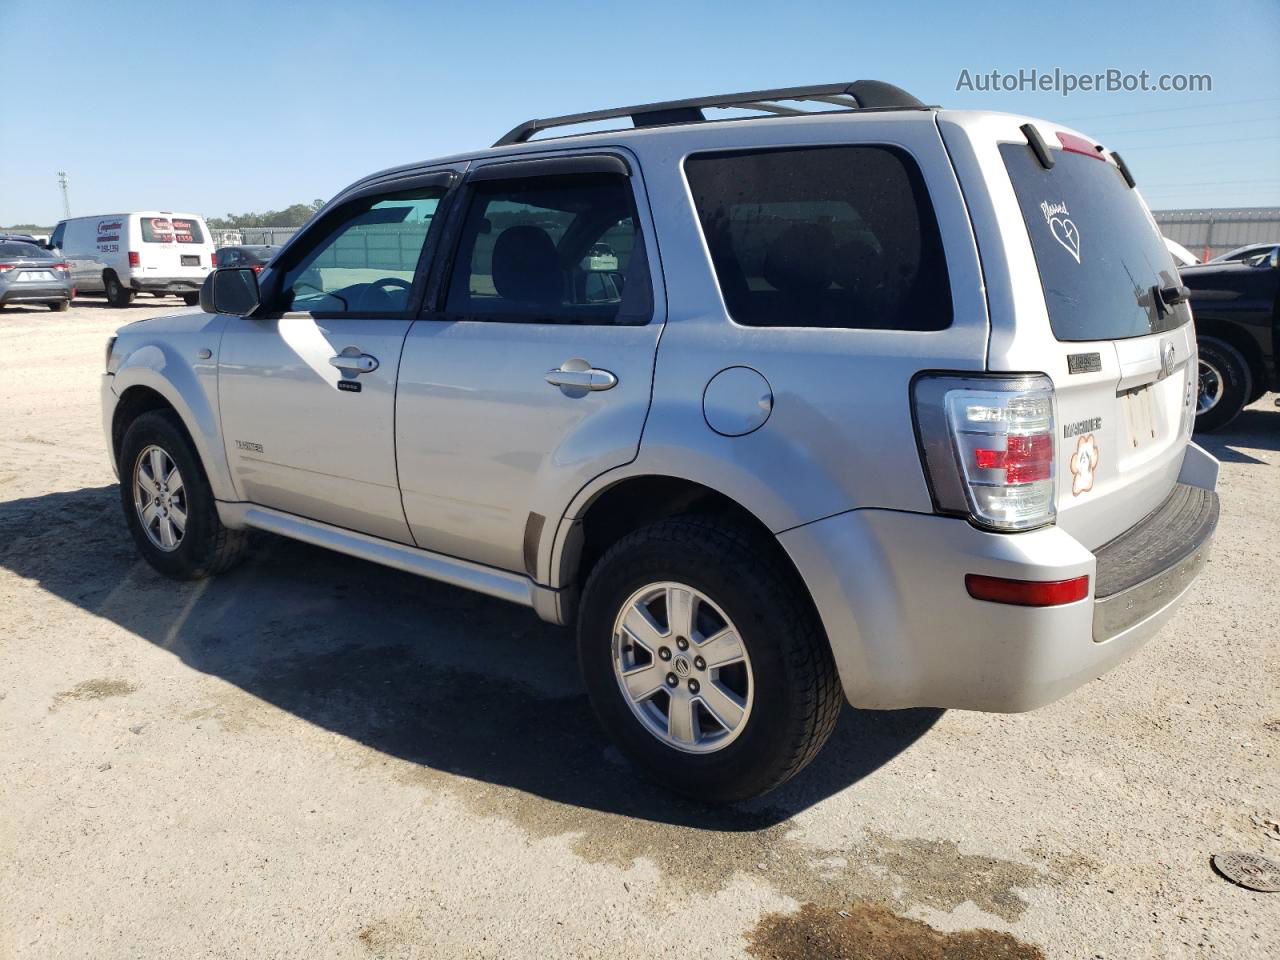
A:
<point x="490" y="581"/>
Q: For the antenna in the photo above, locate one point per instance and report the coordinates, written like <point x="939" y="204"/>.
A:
<point x="66" y="202"/>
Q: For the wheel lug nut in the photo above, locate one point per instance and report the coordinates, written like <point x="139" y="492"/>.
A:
<point x="664" y="653"/>
<point x="693" y="686"/>
<point x="682" y="643"/>
<point x="671" y="680"/>
<point x="700" y="663"/>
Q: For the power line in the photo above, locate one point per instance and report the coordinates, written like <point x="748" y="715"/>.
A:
<point x="1198" y="143"/>
<point x="1198" y="106"/>
<point x="1189" y="126"/>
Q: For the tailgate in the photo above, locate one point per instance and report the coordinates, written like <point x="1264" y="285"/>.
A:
<point x="1098" y="306"/>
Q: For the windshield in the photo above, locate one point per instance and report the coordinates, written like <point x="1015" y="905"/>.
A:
<point x="1098" y="250"/>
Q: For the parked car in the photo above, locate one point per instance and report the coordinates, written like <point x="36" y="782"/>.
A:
<point x="254" y="256"/>
<point x="900" y="415"/>
<point x="31" y="274"/>
<point x="19" y="238"/>
<point x="1237" y="309"/>
<point x="1249" y="251"/>
<point x="124" y="254"/>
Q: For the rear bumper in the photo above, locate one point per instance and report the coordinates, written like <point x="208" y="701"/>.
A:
<point x="36" y="293"/>
<point x="904" y="631"/>
<point x="166" y="284"/>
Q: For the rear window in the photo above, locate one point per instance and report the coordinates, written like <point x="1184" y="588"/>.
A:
<point x="164" y="230"/>
<point x="13" y="251"/>
<point x="1098" y="251"/>
<point x="822" y="237"/>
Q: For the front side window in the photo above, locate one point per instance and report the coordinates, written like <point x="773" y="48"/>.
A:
<point x="834" y="237"/>
<point x="58" y="233"/>
<point x="366" y="262"/>
<point x="552" y="249"/>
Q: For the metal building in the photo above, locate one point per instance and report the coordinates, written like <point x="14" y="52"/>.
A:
<point x="1211" y="232"/>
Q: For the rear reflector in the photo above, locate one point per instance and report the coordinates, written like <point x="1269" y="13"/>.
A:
<point x="1073" y="144"/>
<point x="1027" y="593"/>
<point x="134" y="259"/>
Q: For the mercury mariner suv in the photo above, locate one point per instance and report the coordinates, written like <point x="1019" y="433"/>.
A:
<point x="839" y="396"/>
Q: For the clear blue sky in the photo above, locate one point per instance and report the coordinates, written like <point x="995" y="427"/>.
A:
<point x="218" y="107"/>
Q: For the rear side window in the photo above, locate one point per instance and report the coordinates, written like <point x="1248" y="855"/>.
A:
<point x="1099" y="253"/>
<point x="552" y="249"/>
<point x="836" y="237"/>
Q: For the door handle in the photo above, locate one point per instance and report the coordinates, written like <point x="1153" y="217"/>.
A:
<point x="352" y="362"/>
<point x="577" y="374"/>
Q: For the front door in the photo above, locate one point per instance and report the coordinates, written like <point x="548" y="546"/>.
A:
<point x="535" y="376"/>
<point x="307" y="387"/>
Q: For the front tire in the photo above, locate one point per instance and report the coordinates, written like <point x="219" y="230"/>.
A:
<point x="118" y="295"/>
<point x="168" y="504"/>
<point x="704" y="659"/>
<point x="1225" y="384"/>
<point x="191" y="299"/>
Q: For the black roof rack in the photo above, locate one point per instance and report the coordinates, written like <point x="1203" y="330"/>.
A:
<point x="859" y="95"/>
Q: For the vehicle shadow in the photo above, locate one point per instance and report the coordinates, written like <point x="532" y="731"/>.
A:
<point x="437" y="676"/>
<point x="1256" y="428"/>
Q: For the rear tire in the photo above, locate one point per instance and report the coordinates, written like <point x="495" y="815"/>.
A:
<point x="202" y="545"/>
<point x="60" y="306"/>
<point x="790" y="697"/>
<point x="118" y="295"/>
<point x="191" y="299"/>
<point x="1225" y="384"/>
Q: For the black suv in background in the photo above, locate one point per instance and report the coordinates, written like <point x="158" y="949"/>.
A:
<point x="1236" y="305"/>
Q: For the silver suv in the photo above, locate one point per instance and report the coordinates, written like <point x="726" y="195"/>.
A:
<point x="842" y="398"/>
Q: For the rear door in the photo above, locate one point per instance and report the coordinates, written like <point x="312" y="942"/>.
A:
<point x="1095" y="303"/>
<point x="533" y="375"/>
<point x="172" y="247"/>
<point x="307" y="386"/>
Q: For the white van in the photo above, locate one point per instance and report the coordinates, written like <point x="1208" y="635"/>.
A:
<point x="151" y="251"/>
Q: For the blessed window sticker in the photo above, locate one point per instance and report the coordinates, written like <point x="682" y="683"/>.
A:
<point x="1062" y="227"/>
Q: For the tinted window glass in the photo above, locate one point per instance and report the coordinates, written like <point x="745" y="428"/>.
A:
<point x="187" y="231"/>
<point x="1098" y="250"/>
<point x="58" y="232"/>
<point x="822" y="237"/>
<point x="366" y="262"/>
<point x="552" y="249"/>
<point x="157" y="230"/>
<point x="10" y="251"/>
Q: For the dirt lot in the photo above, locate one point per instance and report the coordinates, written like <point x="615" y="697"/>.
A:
<point x="316" y="757"/>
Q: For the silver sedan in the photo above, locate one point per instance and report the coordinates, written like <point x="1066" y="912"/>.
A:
<point x="30" y="274"/>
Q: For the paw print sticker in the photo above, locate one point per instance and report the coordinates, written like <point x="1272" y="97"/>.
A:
<point x="1084" y="462"/>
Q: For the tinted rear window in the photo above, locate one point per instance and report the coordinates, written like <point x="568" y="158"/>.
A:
<point x="822" y="237"/>
<point x="1098" y="251"/>
<point x="164" y="230"/>
<point x="16" y="250"/>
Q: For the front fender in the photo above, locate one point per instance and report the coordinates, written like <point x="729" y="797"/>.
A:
<point x="189" y="384"/>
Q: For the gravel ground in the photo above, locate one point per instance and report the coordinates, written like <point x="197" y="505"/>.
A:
<point x="313" y="756"/>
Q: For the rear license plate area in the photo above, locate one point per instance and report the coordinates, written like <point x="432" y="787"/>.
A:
<point x="188" y="260"/>
<point x="1139" y="406"/>
<point x="36" y="276"/>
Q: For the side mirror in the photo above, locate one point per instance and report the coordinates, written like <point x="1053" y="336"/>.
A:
<point x="232" y="290"/>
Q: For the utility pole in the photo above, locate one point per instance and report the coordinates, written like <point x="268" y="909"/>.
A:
<point x="66" y="202"/>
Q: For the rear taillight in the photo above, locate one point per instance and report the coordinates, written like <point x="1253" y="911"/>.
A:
<point x="134" y="259"/>
<point x="6" y="266"/>
<point x="988" y="447"/>
<point x="65" y="268"/>
<point x="257" y="268"/>
<point x="213" y="259"/>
